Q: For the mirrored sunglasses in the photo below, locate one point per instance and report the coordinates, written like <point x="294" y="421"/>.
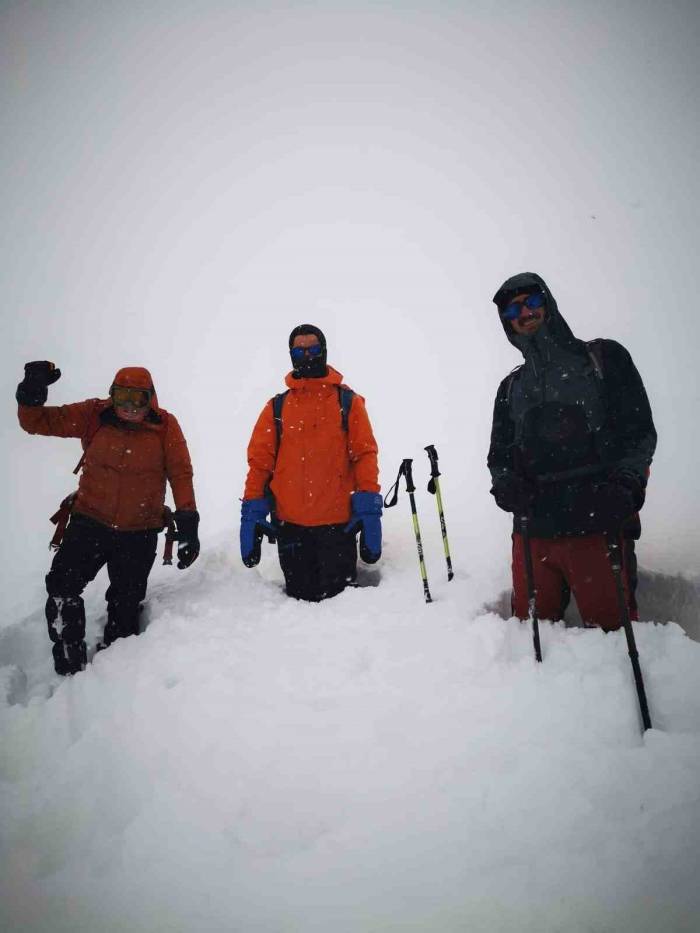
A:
<point x="512" y="311"/>
<point x="298" y="353"/>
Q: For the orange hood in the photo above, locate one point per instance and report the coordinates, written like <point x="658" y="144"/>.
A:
<point x="137" y="377"/>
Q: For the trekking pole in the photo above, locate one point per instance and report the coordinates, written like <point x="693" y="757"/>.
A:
<point x="405" y="470"/>
<point x="434" y="489"/>
<point x="531" y="591"/>
<point x="615" y="555"/>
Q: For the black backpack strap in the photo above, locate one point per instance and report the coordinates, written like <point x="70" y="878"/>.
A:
<point x="345" y="397"/>
<point x="510" y="379"/>
<point x="594" y="349"/>
<point x="277" y="403"/>
<point x="595" y="352"/>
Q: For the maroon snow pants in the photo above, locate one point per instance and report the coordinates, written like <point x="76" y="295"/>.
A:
<point x="580" y="565"/>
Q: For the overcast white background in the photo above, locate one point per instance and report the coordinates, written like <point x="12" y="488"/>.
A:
<point x="182" y="183"/>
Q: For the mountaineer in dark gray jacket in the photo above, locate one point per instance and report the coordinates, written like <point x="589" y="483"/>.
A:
<point x="571" y="444"/>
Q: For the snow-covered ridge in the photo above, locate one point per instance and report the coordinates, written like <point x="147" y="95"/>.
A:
<point x="368" y="763"/>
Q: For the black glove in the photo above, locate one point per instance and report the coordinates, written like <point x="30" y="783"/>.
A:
<point x="632" y="483"/>
<point x="33" y="389"/>
<point x="187" y="540"/>
<point x="609" y="505"/>
<point x="513" y="493"/>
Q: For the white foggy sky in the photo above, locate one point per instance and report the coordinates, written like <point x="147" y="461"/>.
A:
<point x="182" y="183"/>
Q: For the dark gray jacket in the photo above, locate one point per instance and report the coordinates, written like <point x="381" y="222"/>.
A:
<point x="570" y="418"/>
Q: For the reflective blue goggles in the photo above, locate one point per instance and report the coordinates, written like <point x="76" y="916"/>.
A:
<point x="512" y="311"/>
<point x="298" y="353"/>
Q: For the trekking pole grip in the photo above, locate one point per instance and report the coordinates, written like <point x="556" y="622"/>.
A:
<point x="433" y="457"/>
<point x="408" y="473"/>
<point x="434" y="471"/>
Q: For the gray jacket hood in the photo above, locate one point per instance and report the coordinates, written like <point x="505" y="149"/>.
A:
<point x="554" y="330"/>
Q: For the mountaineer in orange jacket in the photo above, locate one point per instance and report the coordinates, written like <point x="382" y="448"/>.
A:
<point x="131" y="446"/>
<point x="313" y="465"/>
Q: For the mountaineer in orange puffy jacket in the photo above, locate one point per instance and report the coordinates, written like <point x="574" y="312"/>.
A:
<point x="131" y="446"/>
<point x="314" y="468"/>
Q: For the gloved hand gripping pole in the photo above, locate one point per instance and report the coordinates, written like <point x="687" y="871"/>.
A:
<point x="406" y="470"/>
<point x="434" y="489"/>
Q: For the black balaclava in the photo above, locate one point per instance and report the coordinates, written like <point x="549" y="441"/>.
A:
<point x="310" y="367"/>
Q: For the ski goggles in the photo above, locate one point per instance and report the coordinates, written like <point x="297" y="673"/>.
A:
<point x="512" y="311"/>
<point x="123" y="396"/>
<point x="298" y="353"/>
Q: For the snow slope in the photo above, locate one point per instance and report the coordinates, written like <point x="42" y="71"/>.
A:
<point x="371" y="763"/>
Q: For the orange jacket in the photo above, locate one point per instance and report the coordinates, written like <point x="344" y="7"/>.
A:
<point x="125" y="467"/>
<point x="318" y="464"/>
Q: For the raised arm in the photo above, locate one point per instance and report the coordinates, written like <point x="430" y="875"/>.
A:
<point x="35" y="417"/>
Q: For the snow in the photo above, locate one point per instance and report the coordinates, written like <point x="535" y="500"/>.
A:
<point x="368" y="763"/>
<point x="184" y="183"/>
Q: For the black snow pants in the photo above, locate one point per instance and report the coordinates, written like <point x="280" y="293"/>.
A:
<point x="86" y="547"/>
<point x="317" y="561"/>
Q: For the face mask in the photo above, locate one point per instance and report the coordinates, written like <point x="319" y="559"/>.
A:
<point x="309" y="362"/>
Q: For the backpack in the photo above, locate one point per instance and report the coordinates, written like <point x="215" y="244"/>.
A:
<point x="345" y="397"/>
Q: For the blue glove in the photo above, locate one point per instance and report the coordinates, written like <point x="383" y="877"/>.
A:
<point x="253" y="527"/>
<point x="367" y="513"/>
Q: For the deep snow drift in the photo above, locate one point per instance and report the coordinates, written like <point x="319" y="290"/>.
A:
<point x="370" y="763"/>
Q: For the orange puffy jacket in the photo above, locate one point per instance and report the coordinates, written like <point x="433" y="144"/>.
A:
<point x="125" y="465"/>
<point x="318" y="464"/>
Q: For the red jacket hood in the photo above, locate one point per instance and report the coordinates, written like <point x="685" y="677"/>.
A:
<point x="137" y="377"/>
<point x="332" y="378"/>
